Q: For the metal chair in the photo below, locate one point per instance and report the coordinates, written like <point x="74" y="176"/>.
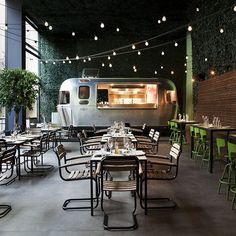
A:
<point x="67" y="173"/>
<point x="7" y="163"/>
<point x="161" y="167"/>
<point x="111" y="164"/>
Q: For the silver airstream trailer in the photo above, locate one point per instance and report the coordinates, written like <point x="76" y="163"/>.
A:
<point x="101" y="101"/>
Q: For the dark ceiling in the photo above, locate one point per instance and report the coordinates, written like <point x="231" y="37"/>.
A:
<point x="132" y="17"/>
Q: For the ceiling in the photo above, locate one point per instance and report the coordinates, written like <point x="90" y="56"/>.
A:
<point x="132" y="17"/>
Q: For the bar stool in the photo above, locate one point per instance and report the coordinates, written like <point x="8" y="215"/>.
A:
<point x="229" y="171"/>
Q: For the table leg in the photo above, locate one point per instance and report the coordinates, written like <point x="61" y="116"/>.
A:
<point x="18" y="162"/>
<point x="91" y="186"/>
<point x="145" y="194"/>
<point x="211" y="152"/>
<point x="192" y="145"/>
<point x="181" y="136"/>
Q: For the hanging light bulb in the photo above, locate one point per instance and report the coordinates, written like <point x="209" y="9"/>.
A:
<point x="117" y="29"/>
<point x="77" y="57"/>
<point x="186" y="57"/>
<point x="108" y="58"/>
<point x="212" y="72"/>
<point x="69" y="61"/>
<point x="176" y="44"/>
<point x="155" y="72"/>
<point x="67" y="58"/>
<point x="135" y="70"/>
<point x="41" y="62"/>
<point x="110" y="65"/>
<point x="46" y="61"/>
<point x="172" y="72"/>
<point x="114" y="53"/>
<point x="139" y="53"/>
<point x="134" y="67"/>
<point x="235" y="8"/>
<point x="164" y="18"/>
<point x="84" y="60"/>
<point x="73" y="33"/>
<point x="221" y="30"/>
<point x="190" y="28"/>
<point x="102" y="25"/>
<point x="133" y="46"/>
<point x="63" y="62"/>
<point x="162" y="67"/>
<point x="103" y="64"/>
<point x="205" y="58"/>
<point x="146" y="43"/>
<point x="46" y="23"/>
<point x="197" y="9"/>
<point x="54" y="63"/>
<point x="162" y="53"/>
<point x="50" y="27"/>
<point x="89" y="58"/>
<point x="159" y="21"/>
<point x="95" y="37"/>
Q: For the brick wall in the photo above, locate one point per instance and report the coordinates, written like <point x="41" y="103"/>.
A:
<point x="217" y="97"/>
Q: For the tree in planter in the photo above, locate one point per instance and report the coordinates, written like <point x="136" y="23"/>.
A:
<point x="18" y="89"/>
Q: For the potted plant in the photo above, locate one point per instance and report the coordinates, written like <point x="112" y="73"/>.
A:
<point x="18" y="89"/>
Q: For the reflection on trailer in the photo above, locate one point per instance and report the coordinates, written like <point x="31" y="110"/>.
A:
<point x="101" y="101"/>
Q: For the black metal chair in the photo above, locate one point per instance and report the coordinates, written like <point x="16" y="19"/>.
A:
<point x="7" y="163"/>
<point x="82" y="172"/>
<point x="34" y="157"/>
<point x="111" y="164"/>
<point x="161" y="167"/>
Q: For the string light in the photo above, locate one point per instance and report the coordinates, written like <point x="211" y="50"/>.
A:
<point x="159" y="21"/>
<point x="77" y="57"/>
<point x="133" y="46"/>
<point x="221" y="30"/>
<point x="135" y="70"/>
<point x="46" y="61"/>
<point x="185" y="64"/>
<point x="205" y="58"/>
<point x="162" y="53"/>
<point x="176" y="44"/>
<point x="162" y="67"/>
<point x="84" y="60"/>
<point x="103" y="64"/>
<point x="197" y="9"/>
<point x="114" y="53"/>
<point x="155" y="72"/>
<point x="146" y="43"/>
<point x="212" y="72"/>
<point x="134" y="67"/>
<point x="54" y="63"/>
<point x="163" y="18"/>
<point x="139" y="53"/>
<point x="46" y="23"/>
<point x="64" y="62"/>
<point x="69" y="61"/>
<point x="109" y="58"/>
<point x="117" y="29"/>
<point x="110" y="65"/>
<point x="190" y="28"/>
<point x="186" y="57"/>
<point x="67" y="58"/>
<point x="95" y="37"/>
<point x="193" y="80"/>
<point x="73" y="33"/>
<point x="172" y="72"/>
<point x="89" y="59"/>
<point x="50" y="27"/>
<point x="102" y="25"/>
<point x="235" y="8"/>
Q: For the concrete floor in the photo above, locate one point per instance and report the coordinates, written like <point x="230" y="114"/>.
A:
<point x="37" y="202"/>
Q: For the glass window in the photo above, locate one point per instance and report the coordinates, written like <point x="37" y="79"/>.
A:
<point x="2" y="36"/>
<point x="64" y="97"/>
<point x="84" y="92"/>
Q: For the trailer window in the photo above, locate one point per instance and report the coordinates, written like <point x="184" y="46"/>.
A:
<point x="64" y="97"/>
<point x="84" y="92"/>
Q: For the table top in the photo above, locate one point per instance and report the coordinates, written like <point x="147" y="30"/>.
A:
<point x="215" y="128"/>
<point x="99" y="155"/>
<point x="105" y="137"/>
<point x="20" y="139"/>
<point x="185" y="121"/>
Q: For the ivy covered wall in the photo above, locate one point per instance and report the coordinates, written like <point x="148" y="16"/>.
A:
<point x="54" y="46"/>
<point x="213" y="36"/>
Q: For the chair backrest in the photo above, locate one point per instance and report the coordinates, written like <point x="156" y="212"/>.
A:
<point x="120" y="163"/>
<point x="3" y="144"/>
<point x="232" y="152"/>
<point x="8" y="156"/>
<point x="175" y="151"/>
<point x="156" y="137"/>
<point x="151" y="133"/>
<point x="220" y="143"/>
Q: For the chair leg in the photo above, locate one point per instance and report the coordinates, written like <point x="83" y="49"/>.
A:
<point x="233" y="200"/>
<point x="65" y="206"/>
<point x="6" y="209"/>
<point x="131" y="227"/>
<point x="160" y="203"/>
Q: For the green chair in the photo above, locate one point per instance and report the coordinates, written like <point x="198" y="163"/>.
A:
<point x="220" y="145"/>
<point x="233" y="190"/>
<point x="194" y="132"/>
<point x="174" y="131"/>
<point x="229" y="171"/>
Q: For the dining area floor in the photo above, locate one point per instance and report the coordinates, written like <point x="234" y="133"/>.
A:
<point x="37" y="204"/>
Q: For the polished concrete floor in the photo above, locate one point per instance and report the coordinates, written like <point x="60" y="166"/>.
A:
<point x="37" y="205"/>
